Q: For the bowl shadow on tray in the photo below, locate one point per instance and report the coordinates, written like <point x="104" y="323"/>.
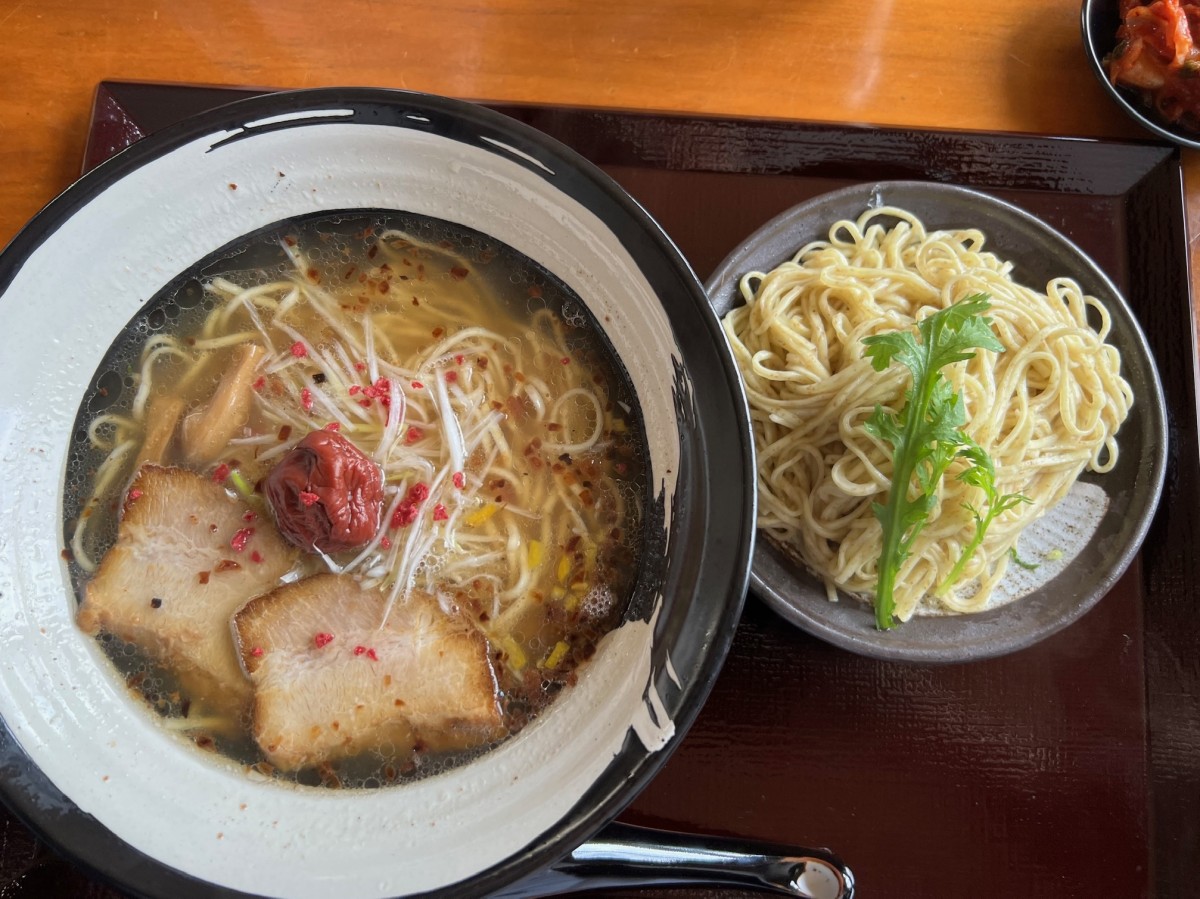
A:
<point x="1133" y="486"/>
<point x="1099" y="21"/>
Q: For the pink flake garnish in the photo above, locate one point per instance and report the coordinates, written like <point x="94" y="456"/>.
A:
<point x="322" y="640"/>
<point x="135" y="494"/>
<point x="308" y="498"/>
<point x="306" y="399"/>
<point x="439" y="513"/>
<point x="405" y="514"/>
<point x="459" y="479"/>
<point x="299" y="350"/>
<point x="412" y="435"/>
<point x="241" y="538"/>
<point x="418" y="493"/>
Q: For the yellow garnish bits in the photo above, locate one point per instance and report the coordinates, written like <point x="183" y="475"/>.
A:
<point x="536" y="552"/>
<point x="516" y="655"/>
<point x="480" y="515"/>
<point x="557" y="654"/>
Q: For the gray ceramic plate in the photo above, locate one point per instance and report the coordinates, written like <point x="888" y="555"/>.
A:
<point x="1133" y="486"/>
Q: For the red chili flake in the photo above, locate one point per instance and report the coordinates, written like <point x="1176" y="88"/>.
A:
<point x="418" y="493"/>
<point x="221" y="472"/>
<point x="417" y="385"/>
<point x="355" y="389"/>
<point x="299" y="350"/>
<point x="405" y="514"/>
<point x="458" y="360"/>
<point x="322" y="640"/>
<point x="535" y="291"/>
<point x="365" y="402"/>
<point x="439" y="513"/>
<point x="451" y="377"/>
<point x="458" y="273"/>
<point x="385" y="542"/>
<point x="438" y="332"/>
<point x="371" y="655"/>
<point x="203" y="577"/>
<point x="306" y="399"/>
<point x="257" y="652"/>
<point x="565" y="360"/>
<point x="383" y="385"/>
<point x="359" y="650"/>
<point x="249" y="515"/>
<point x="241" y="538"/>
<point x="232" y="186"/>
<point x="459" y="479"/>
<point x="134" y="494"/>
<point x="412" y="435"/>
<point x="227" y="565"/>
<point x="259" y="382"/>
<point x="256" y="556"/>
<point x="333" y="426"/>
<point x="360" y="366"/>
<point x="482" y="362"/>
<point x="285" y="431"/>
<point x="308" y="498"/>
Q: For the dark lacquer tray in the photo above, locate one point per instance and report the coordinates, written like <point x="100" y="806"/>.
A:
<point x="1069" y="769"/>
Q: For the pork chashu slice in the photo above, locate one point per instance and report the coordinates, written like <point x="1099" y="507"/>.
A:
<point x="330" y="682"/>
<point x="176" y="575"/>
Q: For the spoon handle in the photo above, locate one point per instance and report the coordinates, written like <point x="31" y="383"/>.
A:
<point x="625" y="856"/>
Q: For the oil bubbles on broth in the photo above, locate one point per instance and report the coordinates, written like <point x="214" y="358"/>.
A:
<point x="511" y="486"/>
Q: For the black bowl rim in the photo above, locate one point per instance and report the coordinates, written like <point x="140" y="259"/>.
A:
<point x="724" y="279"/>
<point x="1098" y="42"/>
<point x="727" y="510"/>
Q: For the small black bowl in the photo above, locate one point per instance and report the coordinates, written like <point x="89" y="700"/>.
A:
<point x="1099" y="21"/>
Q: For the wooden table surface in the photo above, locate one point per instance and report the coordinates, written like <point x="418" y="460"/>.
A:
<point x="1006" y="66"/>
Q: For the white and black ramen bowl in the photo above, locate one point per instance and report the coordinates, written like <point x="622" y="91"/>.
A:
<point x="1098" y="22"/>
<point x="88" y="766"/>
<point x="1092" y="536"/>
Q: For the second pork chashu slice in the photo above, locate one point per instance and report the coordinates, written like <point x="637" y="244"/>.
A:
<point x="329" y="682"/>
<point x="187" y="557"/>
